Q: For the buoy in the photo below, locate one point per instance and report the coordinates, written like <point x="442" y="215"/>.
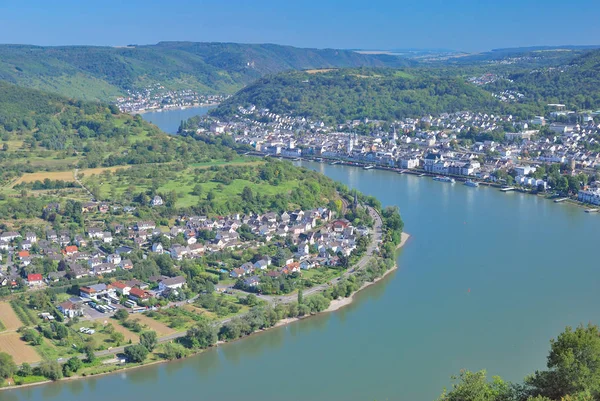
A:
<point x="469" y="290"/>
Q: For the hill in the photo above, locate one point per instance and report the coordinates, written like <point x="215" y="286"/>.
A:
<point x="347" y="94"/>
<point x="47" y="132"/>
<point x="89" y="72"/>
<point x="574" y="84"/>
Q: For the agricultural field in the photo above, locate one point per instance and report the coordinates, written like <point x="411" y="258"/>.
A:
<point x="129" y="335"/>
<point x="42" y="175"/>
<point x="12" y="344"/>
<point x="8" y="318"/>
<point x="178" y="318"/>
<point x="151" y="324"/>
<point x="88" y="172"/>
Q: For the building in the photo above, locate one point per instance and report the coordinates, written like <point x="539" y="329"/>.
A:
<point x="35" y="279"/>
<point x="589" y="196"/>
<point x="70" y="309"/>
<point x="171" y="283"/>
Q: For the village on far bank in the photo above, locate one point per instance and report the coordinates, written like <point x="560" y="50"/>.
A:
<point x="558" y="153"/>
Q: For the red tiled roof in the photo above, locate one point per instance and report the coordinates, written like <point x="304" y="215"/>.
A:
<point x="34" y="277"/>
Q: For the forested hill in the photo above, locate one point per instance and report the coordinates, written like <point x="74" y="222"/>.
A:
<point x="43" y="131"/>
<point x="88" y="72"/>
<point x="347" y="94"/>
<point x="576" y="84"/>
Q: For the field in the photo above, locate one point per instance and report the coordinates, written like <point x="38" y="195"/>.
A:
<point x="42" y="175"/>
<point x="9" y="318"/>
<point x="12" y="344"/>
<point x="319" y="71"/>
<point x="129" y="335"/>
<point x="91" y="171"/>
<point x="160" y="328"/>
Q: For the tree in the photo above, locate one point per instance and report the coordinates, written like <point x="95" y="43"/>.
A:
<point x="121" y="315"/>
<point x="136" y="353"/>
<point x="174" y="351"/>
<point x="202" y="335"/>
<point x="475" y="387"/>
<point x="300" y="296"/>
<point x="61" y="331"/>
<point x="72" y="366"/>
<point x="8" y="367"/>
<point x="573" y="363"/>
<point x="50" y="369"/>
<point x="90" y="355"/>
<point x="25" y="370"/>
<point x="149" y="339"/>
<point x="117" y="337"/>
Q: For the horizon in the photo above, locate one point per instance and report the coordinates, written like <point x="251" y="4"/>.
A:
<point x="460" y="25"/>
<point x="355" y="49"/>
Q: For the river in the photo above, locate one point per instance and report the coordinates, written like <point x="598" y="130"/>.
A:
<point x="169" y="120"/>
<point x="485" y="281"/>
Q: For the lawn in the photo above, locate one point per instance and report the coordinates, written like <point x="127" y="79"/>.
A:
<point x="160" y="328"/>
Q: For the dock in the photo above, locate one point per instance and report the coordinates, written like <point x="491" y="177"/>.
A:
<point x="560" y="200"/>
<point x="507" y="189"/>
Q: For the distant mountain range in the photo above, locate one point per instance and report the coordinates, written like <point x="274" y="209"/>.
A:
<point x="90" y="72"/>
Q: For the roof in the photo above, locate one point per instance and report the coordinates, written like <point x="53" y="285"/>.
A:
<point x="34" y="277"/>
<point x="118" y="284"/>
<point x="173" y="281"/>
<point x="139" y="293"/>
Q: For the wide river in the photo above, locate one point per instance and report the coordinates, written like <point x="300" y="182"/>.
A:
<point x="487" y="279"/>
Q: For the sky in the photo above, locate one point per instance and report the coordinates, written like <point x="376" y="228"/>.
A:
<point x="465" y="25"/>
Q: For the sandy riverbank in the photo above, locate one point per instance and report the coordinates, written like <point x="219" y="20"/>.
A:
<point x="335" y="305"/>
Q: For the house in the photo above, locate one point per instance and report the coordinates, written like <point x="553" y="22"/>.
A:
<point x="157" y="248"/>
<point x="35" y="279"/>
<point x="171" y="283"/>
<point x="104" y="268"/>
<point x="31" y="237"/>
<point x="103" y="208"/>
<point x="252" y="281"/>
<point x="9" y="236"/>
<point x="23" y="254"/>
<point x="107" y="237"/>
<point x="156" y="201"/>
<point x="126" y="264"/>
<point x="55" y="276"/>
<point x="145" y="225"/>
<point x="70" y="250"/>
<point x="114" y="258"/>
<point x="291" y="268"/>
<point x="139" y="295"/>
<point x="70" y="309"/>
<point x="236" y="273"/>
<point x="94" y="291"/>
<point x="121" y="288"/>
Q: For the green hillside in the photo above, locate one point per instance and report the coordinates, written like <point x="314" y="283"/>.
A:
<point x="576" y="84"/>
<point x="89" y="72"/>
<point x="347" y="94"/>
<point x="41" y="131"/>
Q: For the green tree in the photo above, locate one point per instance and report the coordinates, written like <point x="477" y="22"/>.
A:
<point x="300" y="296"/>
<point x="474" y="386"/>
<point x="573" y="364"/>
<point x="8" y="367"/>
<point x="121" y="314"/>
<point x="174" y="351"/>
<point x="117" y="337"/>
<point x="136" y="353"/>
<point x="149" y="339"/>
<point x="50" y="369"/>
<point x="25" y="369"/>
<point x="202" y="335"/>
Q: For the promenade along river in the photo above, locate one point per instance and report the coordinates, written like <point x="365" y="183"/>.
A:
<point x="529" y="265"/>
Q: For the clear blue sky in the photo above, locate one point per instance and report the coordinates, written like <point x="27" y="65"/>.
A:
<point x="470" y="25"/>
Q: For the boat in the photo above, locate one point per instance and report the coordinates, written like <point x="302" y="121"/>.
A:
<point x="368" y="167"/>
<point x="444" y="179"/>
<point x="334" y="163"/>
<point x="470" y="183"/>
<point x="591" y="210"/>
<point x="422" y="175"/>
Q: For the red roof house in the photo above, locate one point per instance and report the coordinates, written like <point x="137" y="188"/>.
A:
<point x="35" y="279"/>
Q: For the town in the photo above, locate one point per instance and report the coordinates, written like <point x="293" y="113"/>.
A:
<point x="158" y="98"/>
<point x="475" y="146"/>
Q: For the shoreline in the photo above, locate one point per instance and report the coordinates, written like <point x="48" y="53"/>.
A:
<point x="335" y="305"/>
<point x="144" y="111"/>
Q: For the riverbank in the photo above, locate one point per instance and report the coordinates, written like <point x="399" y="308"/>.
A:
<point x="333" y="306"/>
<point x="144" y="111"/>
